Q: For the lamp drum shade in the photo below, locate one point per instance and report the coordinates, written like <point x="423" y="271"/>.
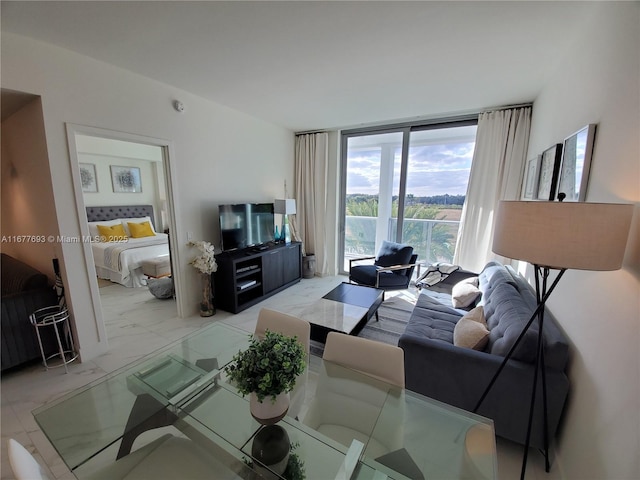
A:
<point x="576" y="235"/>
<point x="285" y="206"/>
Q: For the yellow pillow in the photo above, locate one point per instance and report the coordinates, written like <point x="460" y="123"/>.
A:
<point x="112" y="233"/>
<point x="139" y="230"/>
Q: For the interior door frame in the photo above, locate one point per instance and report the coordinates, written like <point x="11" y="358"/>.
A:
<point x="172" y="199"/>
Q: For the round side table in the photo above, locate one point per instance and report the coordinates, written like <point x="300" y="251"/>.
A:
<point x="58" y="318"/>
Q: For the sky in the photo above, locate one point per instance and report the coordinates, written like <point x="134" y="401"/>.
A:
<point x="434" y="169"/>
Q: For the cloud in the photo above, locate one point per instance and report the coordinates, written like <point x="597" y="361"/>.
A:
<point x="357" y="183"/>
<point x="453" y="182"/>
<point x="436" y="169"/>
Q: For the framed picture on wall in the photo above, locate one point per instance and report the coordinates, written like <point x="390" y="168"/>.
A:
<point x="88" y="178"/>
<point x="126" y="179"/>
<point x="576" y="164"/>
<point x="531" y="177"/>
<point x="549" y="167"/>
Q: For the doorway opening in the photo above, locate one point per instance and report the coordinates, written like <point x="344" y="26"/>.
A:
<point x="122" y="184"/>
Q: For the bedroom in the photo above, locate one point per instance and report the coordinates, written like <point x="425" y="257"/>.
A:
<point x="210" y="145"/>
<point x="118" y="173"/>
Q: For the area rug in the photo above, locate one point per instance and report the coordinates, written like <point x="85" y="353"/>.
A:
<point x="393" y="316"/>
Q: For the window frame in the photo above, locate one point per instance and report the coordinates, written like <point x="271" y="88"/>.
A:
<point x="406" y="128"/>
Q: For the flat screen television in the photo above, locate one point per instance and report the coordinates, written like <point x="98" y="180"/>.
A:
<point x="245" y="225"/>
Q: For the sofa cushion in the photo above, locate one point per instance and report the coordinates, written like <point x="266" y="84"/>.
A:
<point x="507" y="313"/>
<point x="366" y="275"/>
<point x="471" y="330"/>
<point x="491" y="276"/>
<point x="556" y="348"/>
<point x="431" y="319"/>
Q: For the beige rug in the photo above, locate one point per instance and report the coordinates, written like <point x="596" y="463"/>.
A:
<point x="393" y="316"/>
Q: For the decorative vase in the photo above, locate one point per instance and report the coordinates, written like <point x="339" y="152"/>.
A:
<point x="269" y="411"/>
<point x="207" y="308"/>
<point x="270" y="449"/>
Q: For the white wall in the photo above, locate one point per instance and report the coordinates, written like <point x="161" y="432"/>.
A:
<point x="218" y="155"/>
<point x="105" y="194"/>
<point x="600" y="83"/>
<point x="106" y="152"/>
<point x="27" y="207"/>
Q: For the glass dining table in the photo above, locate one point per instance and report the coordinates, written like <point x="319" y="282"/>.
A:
<point x="181" y="390"/>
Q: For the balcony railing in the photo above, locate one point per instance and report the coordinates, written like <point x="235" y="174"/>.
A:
<point x="432" y="240"/>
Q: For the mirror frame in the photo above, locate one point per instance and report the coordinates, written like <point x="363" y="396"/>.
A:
<point x="573" y="180"/>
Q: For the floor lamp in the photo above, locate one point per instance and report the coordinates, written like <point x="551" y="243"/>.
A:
<point x="556" y="236"/>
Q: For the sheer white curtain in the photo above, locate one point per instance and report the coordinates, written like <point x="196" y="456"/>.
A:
<point x="502" y="139"/>
<point x="311" y="162"/>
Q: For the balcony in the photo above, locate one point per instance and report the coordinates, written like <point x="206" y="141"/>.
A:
<point x="432" y="240"/>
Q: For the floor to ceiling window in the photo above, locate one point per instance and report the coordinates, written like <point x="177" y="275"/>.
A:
<point x="405" y="184"/>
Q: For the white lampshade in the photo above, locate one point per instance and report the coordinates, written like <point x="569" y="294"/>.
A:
<point x="577" y="235"/>
<point x="285" y="207"/>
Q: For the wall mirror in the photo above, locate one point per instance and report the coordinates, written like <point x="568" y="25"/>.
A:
<point x="576" y="164"/>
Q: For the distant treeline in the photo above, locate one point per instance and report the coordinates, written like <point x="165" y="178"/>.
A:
<point x="412" y="200"/>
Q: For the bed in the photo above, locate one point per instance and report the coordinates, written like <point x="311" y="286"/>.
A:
<point x="121" y="261"/>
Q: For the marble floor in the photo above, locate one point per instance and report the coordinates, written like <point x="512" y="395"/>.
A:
<point x="137" y="324"/>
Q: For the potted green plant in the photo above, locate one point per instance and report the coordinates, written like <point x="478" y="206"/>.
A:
<point x="268" y="371"/>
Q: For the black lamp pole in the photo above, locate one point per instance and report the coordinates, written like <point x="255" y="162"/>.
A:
<point x="542" y="294"/>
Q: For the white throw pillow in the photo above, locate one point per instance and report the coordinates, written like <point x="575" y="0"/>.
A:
<point x="471" y="330"/>
<point x="465" y="292"/>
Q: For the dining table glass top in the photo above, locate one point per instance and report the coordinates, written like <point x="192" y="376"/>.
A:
<point x="397" y="433"/>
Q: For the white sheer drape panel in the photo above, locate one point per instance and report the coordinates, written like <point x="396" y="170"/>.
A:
<point x="502" y="140"/>
<point x="311" y="162"/>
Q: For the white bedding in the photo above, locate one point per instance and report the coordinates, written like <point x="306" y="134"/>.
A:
<point x="123" y="262"/>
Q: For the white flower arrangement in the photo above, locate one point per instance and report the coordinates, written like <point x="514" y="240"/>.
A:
<point x="206" y="261"/>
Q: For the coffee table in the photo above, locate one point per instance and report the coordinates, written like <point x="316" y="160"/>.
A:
<point x="346" y="309"/>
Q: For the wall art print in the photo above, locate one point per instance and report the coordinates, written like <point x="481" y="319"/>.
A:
<point x="531" y="177"/>
<point x="576" y="164"/>
<point x="88" y="178"/>
<point x="126" y="179"/>
<point x="549" y="167"/>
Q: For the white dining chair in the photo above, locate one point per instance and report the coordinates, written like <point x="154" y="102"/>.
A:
<point x="294" y="327"/>
<point x="345" y="410"/>
<point x="380" y="360"/>
<point x="23" y="464"/>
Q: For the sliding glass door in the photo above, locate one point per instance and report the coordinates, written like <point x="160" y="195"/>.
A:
<point x="407" y="185"/>
<point x="372" y="182"/>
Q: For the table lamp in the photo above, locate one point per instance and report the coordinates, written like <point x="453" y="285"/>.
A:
<point x="285" y="207"/>
<point x="557" y="236"/>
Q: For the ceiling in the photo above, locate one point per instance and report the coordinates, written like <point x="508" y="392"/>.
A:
<point x="310" y="65"/>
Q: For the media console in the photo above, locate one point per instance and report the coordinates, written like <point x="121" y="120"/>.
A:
<point x="246" y="277"/>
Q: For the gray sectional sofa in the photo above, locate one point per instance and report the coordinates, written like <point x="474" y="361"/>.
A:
<point x="458" y="376"/>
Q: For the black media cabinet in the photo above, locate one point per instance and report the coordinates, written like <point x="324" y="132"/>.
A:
<point x="246" y="277"/>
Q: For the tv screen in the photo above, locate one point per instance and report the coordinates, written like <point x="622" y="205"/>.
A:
<point x="245" y="225"/>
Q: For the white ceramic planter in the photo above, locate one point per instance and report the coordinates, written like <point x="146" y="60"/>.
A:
<point x="269" y="412"/>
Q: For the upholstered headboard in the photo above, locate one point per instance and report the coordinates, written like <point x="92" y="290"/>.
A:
<point x="98" y="214"/>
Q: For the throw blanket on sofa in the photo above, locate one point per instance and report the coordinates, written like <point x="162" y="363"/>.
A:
<point x="435" y="273"/>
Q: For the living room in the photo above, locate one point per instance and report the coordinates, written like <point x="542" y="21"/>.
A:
<point x="595" y="81"/>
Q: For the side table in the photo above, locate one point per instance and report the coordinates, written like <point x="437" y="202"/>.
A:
<point x="58" y="318"/>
